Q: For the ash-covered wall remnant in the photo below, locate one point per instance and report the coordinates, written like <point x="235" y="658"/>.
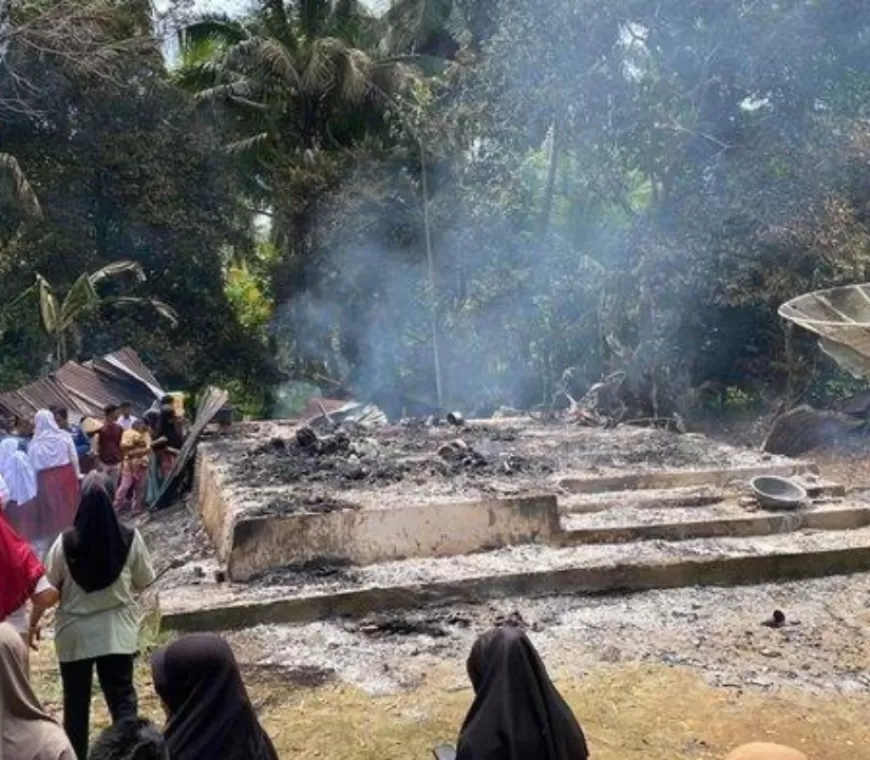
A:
<point x="367" y="496"/>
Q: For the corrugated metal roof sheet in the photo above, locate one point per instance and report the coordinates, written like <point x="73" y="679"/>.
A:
<point x="128" y="360"/>
<point x="46" y="392"/>
<point x="86" y="389"/>
<point x="86" y="386"/>
<point x="12" y="405"/>
<point x="40" y="394"/>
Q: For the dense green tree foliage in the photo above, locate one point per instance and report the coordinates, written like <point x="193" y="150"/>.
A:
<point x="530" y="195"/>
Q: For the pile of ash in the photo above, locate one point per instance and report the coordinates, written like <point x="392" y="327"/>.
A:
<point x="349" y="457"/>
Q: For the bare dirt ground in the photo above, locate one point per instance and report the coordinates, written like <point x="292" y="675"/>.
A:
<point x="686" y="673"/>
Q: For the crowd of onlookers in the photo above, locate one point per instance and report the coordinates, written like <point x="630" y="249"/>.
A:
<point x="43" y="460"/>
<point x="94" y="566"/>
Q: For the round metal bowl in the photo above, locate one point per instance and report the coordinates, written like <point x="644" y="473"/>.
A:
<point x="778" y="493"/>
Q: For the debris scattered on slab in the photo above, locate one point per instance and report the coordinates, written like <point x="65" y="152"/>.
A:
<point x="777" y="620"/>
<point x="456" y="419"/>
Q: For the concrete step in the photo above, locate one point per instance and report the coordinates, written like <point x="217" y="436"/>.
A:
<point x="664" y="479"/>
<point x="723" y="520"/>
<point x="530" y="570"/>
<point x="683" y="496"/>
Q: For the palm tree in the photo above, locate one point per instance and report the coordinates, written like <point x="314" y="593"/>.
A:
<point x="295" y="79"/>
<point x="296" y="89"/>
<point x="60" y="316"/>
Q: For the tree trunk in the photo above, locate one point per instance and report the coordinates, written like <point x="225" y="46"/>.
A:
<point x="433" y="293"/>
<point x="550" y="191"/>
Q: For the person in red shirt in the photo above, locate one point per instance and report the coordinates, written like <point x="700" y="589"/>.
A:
<point x="109" y="454"/>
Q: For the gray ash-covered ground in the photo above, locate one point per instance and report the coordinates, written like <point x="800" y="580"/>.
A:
<point x="355" y="459"/>
<point x="350" y="459"/>
<point x="721" y="633"/>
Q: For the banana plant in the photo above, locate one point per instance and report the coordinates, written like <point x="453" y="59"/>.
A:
<point x="21" y="188"/>
<point x="60" y="316"/>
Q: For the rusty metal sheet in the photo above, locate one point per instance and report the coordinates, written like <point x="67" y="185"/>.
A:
<point x="86" y="386"/>
<point x="12" y="405"/>
<point x="132" y="364"/>
<point x="47" y="392"/>
<point x="117" y="377"/>
<point x="127" y="362"/>
<point x="86" y="389"/>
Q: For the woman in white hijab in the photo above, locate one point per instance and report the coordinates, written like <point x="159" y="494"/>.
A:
<point x="20" y="480"/>
<point x="52" y="454"/>
<point x="26" y="730"/>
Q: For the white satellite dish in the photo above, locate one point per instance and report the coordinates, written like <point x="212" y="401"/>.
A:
<point x="841" y="319"/>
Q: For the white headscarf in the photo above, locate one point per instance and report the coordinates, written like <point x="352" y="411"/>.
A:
<point x="4" y="494"/>
<point x="50" y="446"/>
<point x="15" y="469"/>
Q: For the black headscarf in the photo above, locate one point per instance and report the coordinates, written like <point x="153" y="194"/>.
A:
<point x="210" y="715"/>
<point x="517" y="713"/>
<point x="97" y="546"/>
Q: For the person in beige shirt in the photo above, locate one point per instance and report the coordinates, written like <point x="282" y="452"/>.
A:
<point x="26" y="730"/>
<point x="96" y="566"/>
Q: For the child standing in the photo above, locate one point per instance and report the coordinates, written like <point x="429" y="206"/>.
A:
<point x="136" y="449"/>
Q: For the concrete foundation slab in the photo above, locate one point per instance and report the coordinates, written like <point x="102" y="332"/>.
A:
<point x="268" y="503"/>
<point x="526" y="571"/>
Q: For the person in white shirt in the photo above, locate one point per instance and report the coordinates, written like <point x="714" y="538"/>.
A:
<point x="126" y="419"/>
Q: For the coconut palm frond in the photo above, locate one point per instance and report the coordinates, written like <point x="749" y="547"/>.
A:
<point x="321" y="69"/>
<point x="217" y="28"/>
<point x="24" y="193"/>
<point x="279" y="61"/>
<point x="353" y="75"/>
<point x="277" y="23"/>
<point x="241" y="91"/>
<point x="248" y="143"/>
<point x="245" y="56"/>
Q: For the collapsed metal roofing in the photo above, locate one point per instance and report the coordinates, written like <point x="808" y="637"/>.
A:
<point x="86" y="389"/>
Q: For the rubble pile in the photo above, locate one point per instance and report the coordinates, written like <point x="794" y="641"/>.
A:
<point x="349" y="456"/>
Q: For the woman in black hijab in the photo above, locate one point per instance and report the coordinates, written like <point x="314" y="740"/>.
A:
<point x="97" y="546"/>
<point x="517" y="713"/>
<point x="97" y="566"/>
<point x="209" y="715"/>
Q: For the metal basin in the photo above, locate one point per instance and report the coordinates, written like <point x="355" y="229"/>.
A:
<point x="778" y="493"/>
